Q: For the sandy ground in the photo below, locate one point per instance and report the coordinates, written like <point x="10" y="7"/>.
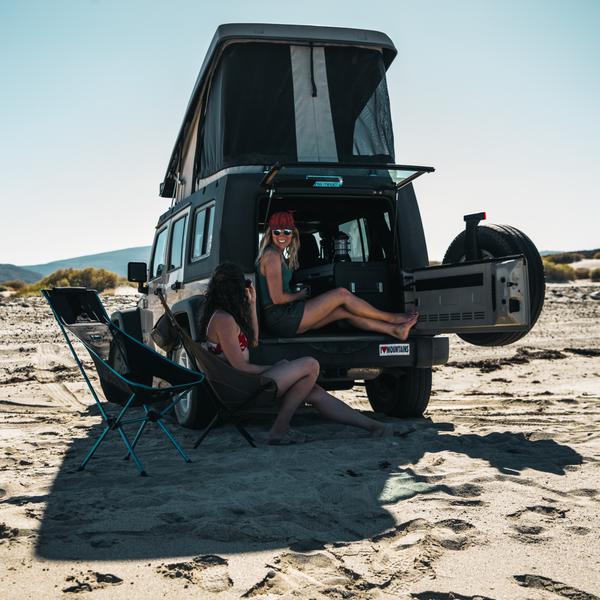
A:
<point x="586" y="263"/>
<point x="496" y="494"/>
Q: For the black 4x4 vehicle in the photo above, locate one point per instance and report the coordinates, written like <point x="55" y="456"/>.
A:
<point x="298" y="117"/>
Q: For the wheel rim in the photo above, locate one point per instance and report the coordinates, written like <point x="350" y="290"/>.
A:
<point x="183" y="407"/>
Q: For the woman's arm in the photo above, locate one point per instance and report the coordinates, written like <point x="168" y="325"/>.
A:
<point x="270" y="265"/>
<point x="251" y="294"/>
<point x="226" y="330"/>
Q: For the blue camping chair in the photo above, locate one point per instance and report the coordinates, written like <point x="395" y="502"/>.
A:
<point x="126" y="368"/>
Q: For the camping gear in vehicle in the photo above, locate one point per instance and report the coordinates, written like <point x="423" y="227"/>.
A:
<point x="124" y="365"/>
<point x="341" y="247"/>
<point x="367" y="280"/>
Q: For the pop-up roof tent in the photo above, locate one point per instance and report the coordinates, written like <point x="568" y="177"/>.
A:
<point x="277" y="93"/>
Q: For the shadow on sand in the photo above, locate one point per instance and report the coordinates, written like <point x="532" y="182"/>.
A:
<point x="234" y="498"/>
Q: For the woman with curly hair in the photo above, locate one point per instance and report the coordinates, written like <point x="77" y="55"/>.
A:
<point x="229" y="327"/>
<point x="288" y="313"/>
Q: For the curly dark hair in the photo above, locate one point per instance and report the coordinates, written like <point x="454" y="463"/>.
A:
<point x="226" y="292"/>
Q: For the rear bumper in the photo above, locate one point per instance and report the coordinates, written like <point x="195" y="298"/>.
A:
<point x="355" y="351"/>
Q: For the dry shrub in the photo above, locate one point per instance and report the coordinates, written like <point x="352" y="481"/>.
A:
<point x="564" y="258"/>
<point x="582" y="273"/>
<point x="595" y="274"/>
<point x="557" y="273"/>
<point x="96" y="279"/>
<point x="14" y="284"/>
<point x="597" y="255"/>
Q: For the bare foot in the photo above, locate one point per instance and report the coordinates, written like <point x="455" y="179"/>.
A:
<point x="402" y="331"/>
<point x="402" y="318"/>
<point x="380" y="430"/>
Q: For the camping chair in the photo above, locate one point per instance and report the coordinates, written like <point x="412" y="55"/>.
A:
<point x="125" y="368"/>
<point x="230" y="390"/>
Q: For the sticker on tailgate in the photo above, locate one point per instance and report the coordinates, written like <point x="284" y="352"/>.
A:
<point x="394" y="349"/>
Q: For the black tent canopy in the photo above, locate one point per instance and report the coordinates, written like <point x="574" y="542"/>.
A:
<point x="269" y="93"/>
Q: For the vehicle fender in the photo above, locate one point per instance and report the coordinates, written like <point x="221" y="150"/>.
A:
<point x="413" y="248"/>
<point x="129" y="321"/>
<point x="188" y="313"/>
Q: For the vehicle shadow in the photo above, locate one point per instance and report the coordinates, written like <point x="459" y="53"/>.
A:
<point x="234" y="498"/>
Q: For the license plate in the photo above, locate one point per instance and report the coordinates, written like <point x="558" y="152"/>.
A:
<point x="394" y="349"/>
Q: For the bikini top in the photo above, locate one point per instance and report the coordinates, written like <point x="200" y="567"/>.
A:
<point x="215" y="347"/>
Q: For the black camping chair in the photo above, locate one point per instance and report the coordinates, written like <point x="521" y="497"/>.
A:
<point x="125" y="368"/>
<point x="230" y="390"/>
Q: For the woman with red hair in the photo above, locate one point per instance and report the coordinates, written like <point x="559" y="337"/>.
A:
<point x="288" y="313"/>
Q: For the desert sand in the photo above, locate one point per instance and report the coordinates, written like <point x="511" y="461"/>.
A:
<point x="495" y="494"/>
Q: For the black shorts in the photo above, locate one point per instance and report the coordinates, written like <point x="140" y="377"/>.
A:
<point x="283" y="319"/>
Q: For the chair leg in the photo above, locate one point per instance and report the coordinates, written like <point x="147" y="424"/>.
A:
<point x="243" y="431"/>
<point x="93" y="449"/>
<point x="137" y="437"/>
<point x="136" y="460"/>
<point x="207" y="430"/>
<point x="174" y="441"/>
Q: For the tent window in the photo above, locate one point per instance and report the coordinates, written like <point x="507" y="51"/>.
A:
<point x="250" y="110"/>
<point x="277" y="102"/>
<point x="360" y="104"/>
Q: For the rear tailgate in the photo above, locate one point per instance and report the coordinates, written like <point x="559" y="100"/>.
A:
<point x="477" y="296"/>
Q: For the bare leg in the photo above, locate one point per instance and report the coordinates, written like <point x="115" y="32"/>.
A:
<point x="316" y="309"/>
<point x="295" y="380"/>
<point x="397" y="331"/>
<point x="336" y="410"/>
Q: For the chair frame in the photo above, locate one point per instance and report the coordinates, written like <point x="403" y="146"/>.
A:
<point x="223" y="413"/>
<point x="116" y="423"/>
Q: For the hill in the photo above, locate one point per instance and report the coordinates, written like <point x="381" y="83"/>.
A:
<point x="115" y="261"/>
<point x="12" y="272"/>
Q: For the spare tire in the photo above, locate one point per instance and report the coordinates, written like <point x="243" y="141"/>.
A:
<point x="498" y="241"/>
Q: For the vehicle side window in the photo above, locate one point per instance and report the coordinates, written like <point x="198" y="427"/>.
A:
<point x="356" y="230"/>
<point x="203" y="229"/>
<point x="176" y="250"/>
<point x="158" y="257"/>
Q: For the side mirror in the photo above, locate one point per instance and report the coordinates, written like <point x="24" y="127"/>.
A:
<point x="138" y="273"/>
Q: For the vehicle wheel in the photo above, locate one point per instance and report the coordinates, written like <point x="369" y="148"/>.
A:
<point x="497" y="241"/>
<point x="113" y="392"/>
<point x="193" y="410"/>
<point x="404" y="393"/>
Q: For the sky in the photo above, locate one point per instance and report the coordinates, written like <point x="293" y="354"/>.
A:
<point x="501" y="97"/>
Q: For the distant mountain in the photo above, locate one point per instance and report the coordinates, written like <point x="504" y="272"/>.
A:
<point x="9" y="272"/>
<point x="115" y="261"/>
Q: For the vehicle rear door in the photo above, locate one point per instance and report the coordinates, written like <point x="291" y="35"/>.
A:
<point x="485" y="295"/>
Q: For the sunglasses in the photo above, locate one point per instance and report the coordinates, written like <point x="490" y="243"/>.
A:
<point x="284" y="231"/>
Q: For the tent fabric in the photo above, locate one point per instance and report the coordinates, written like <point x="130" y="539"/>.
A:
<point x="360" y="104"/>
<point x="315" y="138"/>
<point x="250" y="113"/>
<point x="276" y="102"/>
